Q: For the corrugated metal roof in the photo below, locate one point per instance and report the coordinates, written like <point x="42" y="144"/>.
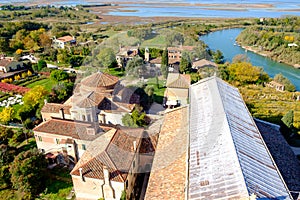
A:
<point x="228" y="158"/>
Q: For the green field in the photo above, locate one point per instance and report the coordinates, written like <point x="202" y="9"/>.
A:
<point x="158" y="91"/>
<point x="47" y="83"/>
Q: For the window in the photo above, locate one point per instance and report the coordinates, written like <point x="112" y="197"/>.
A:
<point x="83" y="117"/>
<point x="89" y="117"/>
<point x="133" y="164"/>
<point x="40" y="138"/>
<point x="83" y="147"/>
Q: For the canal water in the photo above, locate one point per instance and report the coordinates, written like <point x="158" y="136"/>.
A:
<point x="224" y="40"/>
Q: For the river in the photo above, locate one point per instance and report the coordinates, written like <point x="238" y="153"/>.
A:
<point x="224" y="41"/>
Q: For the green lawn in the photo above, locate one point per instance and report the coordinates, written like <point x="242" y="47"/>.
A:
<point x="158" y="91"/>
<point x="158" y="41"/>
<point x="47" y="83"/>
<point x="116" y="72"/>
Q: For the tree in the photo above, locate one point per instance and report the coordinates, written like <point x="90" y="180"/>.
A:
<point x="6" y="115"/>
<point x="45" y="40"/>
<point x="41" y="64"/>
<point x="199" y="52"/>
<point x="150" y="92"/>
<point x="279" y="78"/>
<point x="4" y="44"/>
<point x="136" y="119"/>
<point x="288" y="119"/>
<point x="218" y="57"/>
<point x="185" y="63"/>
<point x="107" y="57"/>
<point x="19" y="51"/>
<point x="7" y="154"/>
<point x="165" y="58"/>
<point x="59" y="75"/>
<point x="128" y="121"/>
<point x="63" y="56"/>
<point x="173" y="37"/>
<point x="244" y="72"/>
<point x="61" y="91"/>
<point x="5" y="135"/>
<point x="164" y="63"/>
<point x="123" y="195"/>
<point x="29" y="73"/>
<point x="76" y="61"/>
<point x="140" y="34"/>
<point x="36" y="95"/>
<point x="17" y="77"/>
<point x="135" y="66"/>
<point x="24" y="75"/>
<point x="28" y="172"/>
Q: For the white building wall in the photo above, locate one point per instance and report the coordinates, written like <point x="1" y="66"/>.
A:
<point x="91" y="189"/>
<point x="112" y="118"/>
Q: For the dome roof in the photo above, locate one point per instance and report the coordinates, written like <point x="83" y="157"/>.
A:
<point x="100" y="80"/>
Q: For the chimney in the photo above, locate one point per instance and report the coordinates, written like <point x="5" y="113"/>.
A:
<point x="134" y="145"/>
<point x="106" y="175"/>
<point x="102" y="118"/>
<point x="93" y="129"/>
<point x="45" y="101"/>
<point x="62" y="114"/>
<point x="81" y="175"/>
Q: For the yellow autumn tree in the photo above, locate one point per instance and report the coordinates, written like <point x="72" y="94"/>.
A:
<point x="244" y="72"/>
<point x="35" y="95"/>
<point x="289" y="38"/>
<point x="19" y="51"/>
<point x="17" y="77"/>
<point x="29" y="73"/>
<point x="6" y="115"/>
<point x="24" y="75"/>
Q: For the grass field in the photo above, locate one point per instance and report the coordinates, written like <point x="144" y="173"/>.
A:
<point x="158" y="91"/>
<point x="158" y="41"/>
<point x="47" y="83"/>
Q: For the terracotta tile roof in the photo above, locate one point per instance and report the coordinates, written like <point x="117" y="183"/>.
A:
<point x="174" y="61"/>
<point x="156" y="60"/>
<point x="101" y="80"/>
<point x="90" y="99"/>
<point x="176" y="80"/>
<point x="5" y="62"/>
<point x="149" y="143"/>
<point x="108" y="106"/>
<point x="125" y="95"/>
<point x="128" y="51"/>
<point x="125" y="106"/>
<point x="203" y="63"/>
<point x="168" y="174"/>
<point x="74" y="129"/>
<point x="55" y="107"/>
<point x="66" y="38"/>
<point x="115" y="152"/>
<point x="92" y="163"/>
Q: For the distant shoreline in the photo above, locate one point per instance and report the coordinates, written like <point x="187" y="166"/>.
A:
<point x="266" y="54"/>
<point x="163" y="9"/>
